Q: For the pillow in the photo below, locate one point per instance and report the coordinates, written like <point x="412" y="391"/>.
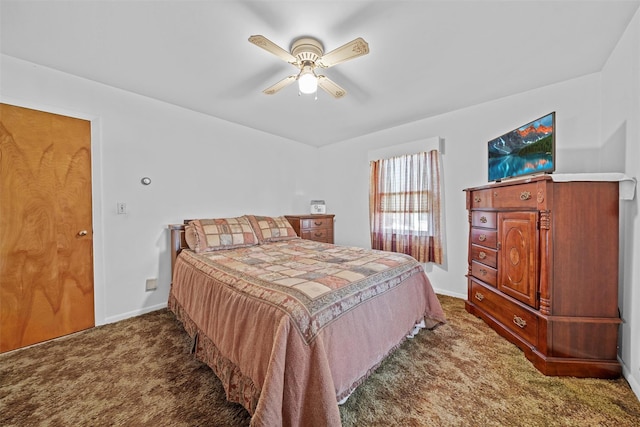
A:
<point x="272" y="229"/>
<point x="220" y="233"/>
<point x="190" y="236"/>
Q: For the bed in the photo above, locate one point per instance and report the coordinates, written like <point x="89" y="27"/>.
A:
<point x="292" y="326"/>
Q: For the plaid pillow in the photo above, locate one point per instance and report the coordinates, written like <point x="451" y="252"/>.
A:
<point x="272" y="229"/>
<point x="222" y="233"/>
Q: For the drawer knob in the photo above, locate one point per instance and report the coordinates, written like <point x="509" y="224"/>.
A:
<point x="318" y="234"/>
<point x="479" y="296"/>
<point x="477" y="199"/>
<point x="318" y="223"/>
<point x="525" y="195"/>
<point x="482" y="237"/>
<point x="482" y="255"/>
<point x="483" y="271"/>
<point x="519" y="321"/>
<point x="483" y="219"/>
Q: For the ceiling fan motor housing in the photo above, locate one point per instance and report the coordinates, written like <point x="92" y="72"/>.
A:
<point x="307" y="49"/>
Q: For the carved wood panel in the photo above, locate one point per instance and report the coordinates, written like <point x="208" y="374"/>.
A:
<point x="518" y="256"/>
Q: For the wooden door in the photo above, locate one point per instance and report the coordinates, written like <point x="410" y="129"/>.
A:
<point x="46" y="243"/>
<point x="518" y="255"/>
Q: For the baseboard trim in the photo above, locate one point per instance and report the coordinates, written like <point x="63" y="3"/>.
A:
<point x="449" y="293"/>
<point x="633" y="381"/>
<point x="134" y="313"/>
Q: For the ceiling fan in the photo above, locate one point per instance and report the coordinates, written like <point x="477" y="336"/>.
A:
<point x="307" y="54"/>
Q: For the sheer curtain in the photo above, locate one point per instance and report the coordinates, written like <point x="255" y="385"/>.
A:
<point x="404" y="205"/>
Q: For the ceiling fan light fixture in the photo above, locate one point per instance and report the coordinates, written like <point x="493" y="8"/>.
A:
<point x="307" y="81"/>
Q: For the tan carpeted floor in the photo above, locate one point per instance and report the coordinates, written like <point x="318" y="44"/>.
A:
<point x="139" y="372"/>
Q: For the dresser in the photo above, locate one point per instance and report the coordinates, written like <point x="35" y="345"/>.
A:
<point x="543" y="271"/>
<point x="318" y="227"/>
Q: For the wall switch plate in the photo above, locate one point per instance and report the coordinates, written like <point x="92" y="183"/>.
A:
<point x="121" y="208"/>
<point x="151" y="285"/>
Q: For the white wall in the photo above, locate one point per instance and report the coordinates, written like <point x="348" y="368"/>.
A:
<point x="465" y="133"/>
<point x="200" y="167"/>
<point x="621" y="138"/>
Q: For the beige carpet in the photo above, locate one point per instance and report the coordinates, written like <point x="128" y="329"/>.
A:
<point x="139" y="372"/>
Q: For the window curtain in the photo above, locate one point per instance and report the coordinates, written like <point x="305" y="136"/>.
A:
<point x="404" y="205"/>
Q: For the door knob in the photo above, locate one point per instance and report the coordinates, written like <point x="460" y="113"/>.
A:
<point x="82" y="233"/>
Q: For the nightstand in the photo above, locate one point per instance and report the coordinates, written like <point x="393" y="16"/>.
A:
<point x="318" y="227"/>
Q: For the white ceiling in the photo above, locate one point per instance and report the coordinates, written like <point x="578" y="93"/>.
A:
<point x="426" y="57"/>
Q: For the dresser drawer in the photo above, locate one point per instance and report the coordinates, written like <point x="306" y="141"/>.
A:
<point x="516" y="196"/>
<point x="483" y="237"/>
<point x="313" y="223"/>
<point x="481" y="199"/>
<point x="483" y="219"/>
<point x="484" y="255"/>
<point x="519" y="320"/>
<point x="319" y="234"/>
<point x="484" y="273"/>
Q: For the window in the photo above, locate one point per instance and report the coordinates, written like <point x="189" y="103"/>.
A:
<point x="404" y="205"/>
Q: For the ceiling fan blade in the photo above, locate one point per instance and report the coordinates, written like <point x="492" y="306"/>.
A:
<point x="269" y="46"/>
<point x="353" y="49"/>
<point x="331" y="87"/>
<point x="280" y="85"/>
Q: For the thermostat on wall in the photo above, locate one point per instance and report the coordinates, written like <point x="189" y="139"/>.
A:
<point x="318" y="207"/>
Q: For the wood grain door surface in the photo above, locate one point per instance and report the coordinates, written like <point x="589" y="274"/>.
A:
<point x="46" y="238"/>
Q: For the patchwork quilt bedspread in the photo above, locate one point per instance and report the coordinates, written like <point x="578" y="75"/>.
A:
<point x="281" y="323"/>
